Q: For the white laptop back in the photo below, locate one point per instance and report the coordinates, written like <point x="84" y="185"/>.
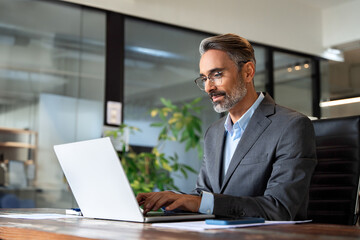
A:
<point x="97" y="180"/>
<point x="99" y="184"/>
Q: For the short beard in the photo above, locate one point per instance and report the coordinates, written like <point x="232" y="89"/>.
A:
<point x="231" y="99"/>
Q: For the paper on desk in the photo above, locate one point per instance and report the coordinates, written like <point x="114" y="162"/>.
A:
<point x="201" y="225"/>
<point x="38" y="216"/>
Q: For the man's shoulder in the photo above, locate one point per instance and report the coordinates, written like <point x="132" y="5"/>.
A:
<point x="281" y="116"/>
<point x="288" y="113"/>
<point x="286" y="118"/>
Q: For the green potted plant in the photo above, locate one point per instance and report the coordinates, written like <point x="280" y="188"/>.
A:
<point x="148" y="171"/>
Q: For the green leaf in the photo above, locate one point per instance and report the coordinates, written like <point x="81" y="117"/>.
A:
<point x="196" y="100"/>
<point x="175" y="167"/>
<point x="167" y="167"/>
<point x="190" y="169"/>
<point x="157" y="124"/>
<point x="179" y="126"/>
<point x="164" y="160"/>
<point x="163" y="134"/>
<point x="197" y="125"/>
<point x="167" y="103"/>
<point x="184" y="173"/>
<point x="134" y="129"/>
<point x="188" y="146"/>
<point x="160" y="185"/>
<point x="197" y="109"/>
<point x="173" y="120"/>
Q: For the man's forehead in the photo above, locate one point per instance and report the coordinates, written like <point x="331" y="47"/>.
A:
<point x="212" y="71"/>
<point x="214" y="59"/>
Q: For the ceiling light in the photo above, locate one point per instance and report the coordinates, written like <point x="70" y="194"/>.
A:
<point x="333" y="51"/>
<point x="333" y="54"/>
<point x="340" y="102"/>
<point x="154" y="52"/>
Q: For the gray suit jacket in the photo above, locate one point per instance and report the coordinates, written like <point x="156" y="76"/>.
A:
<point x="271" y="169"/>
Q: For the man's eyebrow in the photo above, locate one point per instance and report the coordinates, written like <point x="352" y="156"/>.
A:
<point x="212" y="71"/>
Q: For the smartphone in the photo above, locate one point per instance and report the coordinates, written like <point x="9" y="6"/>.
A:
<point x="233" y="221"/>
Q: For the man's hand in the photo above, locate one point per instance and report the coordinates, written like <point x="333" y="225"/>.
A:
<point x="170" y="200"/>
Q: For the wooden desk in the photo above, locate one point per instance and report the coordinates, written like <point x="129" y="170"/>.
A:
<point x="72" y="228"/>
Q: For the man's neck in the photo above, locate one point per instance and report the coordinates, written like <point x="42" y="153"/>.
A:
<point x="241" y="107"/>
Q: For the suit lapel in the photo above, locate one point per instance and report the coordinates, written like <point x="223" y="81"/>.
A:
<point x="257" y="125"/>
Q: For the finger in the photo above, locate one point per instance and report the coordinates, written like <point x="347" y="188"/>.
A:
<point x="174" y="205"/>
<point x="157" y="200"/>
<point x="187" y="203"/>
<point x="141" y="197"/>
<point x="151" y="200"/>
<point x="145" y="211"/>
<point x="141" y="203"/>
<point x="163" y="202"/>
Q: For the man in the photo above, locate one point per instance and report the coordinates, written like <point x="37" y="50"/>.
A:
<point x="259" y="159"/>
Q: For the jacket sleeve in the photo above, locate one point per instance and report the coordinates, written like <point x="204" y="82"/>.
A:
<point x="203" y="182"/>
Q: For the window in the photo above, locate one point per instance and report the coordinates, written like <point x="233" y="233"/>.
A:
<point x="292" y="82"/>
<point x="260" y="79"/>
<point x="52" y="79"/>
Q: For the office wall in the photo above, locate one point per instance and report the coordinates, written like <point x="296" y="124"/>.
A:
<point x="282" y="23"/>
<point x="341" y="24"/>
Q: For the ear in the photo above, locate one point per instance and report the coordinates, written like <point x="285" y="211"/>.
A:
<point x="248" y="72"/>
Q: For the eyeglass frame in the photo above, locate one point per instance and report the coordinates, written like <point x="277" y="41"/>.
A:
<point x="204" y="78"/>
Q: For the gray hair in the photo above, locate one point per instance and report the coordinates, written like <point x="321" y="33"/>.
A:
<point x="238" y="49"/>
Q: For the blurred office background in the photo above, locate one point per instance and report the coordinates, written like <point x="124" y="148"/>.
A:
<point x="61" y="61"/>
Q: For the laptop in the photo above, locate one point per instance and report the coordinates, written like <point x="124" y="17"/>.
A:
<point x="100" y="186"/>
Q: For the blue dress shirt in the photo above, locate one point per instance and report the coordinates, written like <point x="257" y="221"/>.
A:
<point x="234" y="133"/>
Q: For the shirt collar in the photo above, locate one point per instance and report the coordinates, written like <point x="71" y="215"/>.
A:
<point x="244" y="120"/>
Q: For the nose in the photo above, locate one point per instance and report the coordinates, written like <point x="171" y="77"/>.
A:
<point x="209" y="86"/>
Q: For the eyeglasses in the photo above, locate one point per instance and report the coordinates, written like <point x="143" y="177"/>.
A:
<point x="214" y="77"/>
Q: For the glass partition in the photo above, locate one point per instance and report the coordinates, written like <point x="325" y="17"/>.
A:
<point x="340" y="80"/>
<point x="162" y="62"/>
<point x="260" y="79"/>
<point x="292" y="82"/>
<point x="51" y="82"/>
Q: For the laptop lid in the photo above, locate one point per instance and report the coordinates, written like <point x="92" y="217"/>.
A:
<point x="97" y="180"/>
<point x="99" y="183"/>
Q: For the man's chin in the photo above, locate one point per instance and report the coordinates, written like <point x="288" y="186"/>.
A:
<point x="218" y="108"/>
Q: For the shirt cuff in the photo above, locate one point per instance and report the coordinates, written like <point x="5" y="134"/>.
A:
<point x="207" y="203"/>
